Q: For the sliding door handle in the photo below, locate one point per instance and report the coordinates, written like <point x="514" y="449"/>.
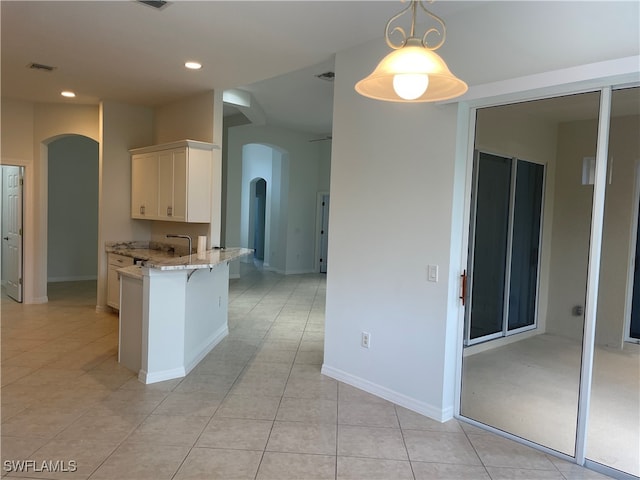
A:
<point x="463" y="293"/>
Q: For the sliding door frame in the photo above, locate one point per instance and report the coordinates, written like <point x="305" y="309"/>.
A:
<point x="593" y="274"/>
<point x="623" y="74"/>
<point x="635" y="238"/>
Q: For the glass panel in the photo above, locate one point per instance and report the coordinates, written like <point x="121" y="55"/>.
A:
<point x="490" y="249"/>
<point x="613" y="434"/>
<point x="525" y="245"/>
<point x="527" y="384"/>
<point x="634" y="328"/>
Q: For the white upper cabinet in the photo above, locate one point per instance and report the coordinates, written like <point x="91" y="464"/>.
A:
<point x="173" y="182"/>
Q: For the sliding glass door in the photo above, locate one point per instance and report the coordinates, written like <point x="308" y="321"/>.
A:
<point x="534" y="252"/>
<point x="613" y="433"/>
<point x="504" y="258"/>
<point x="572" y="384"/>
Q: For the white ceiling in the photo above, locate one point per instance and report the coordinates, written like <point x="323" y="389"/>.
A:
<point x="128" y="52"/>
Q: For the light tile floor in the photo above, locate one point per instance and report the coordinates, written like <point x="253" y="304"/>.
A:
<point x="256" y="407"/>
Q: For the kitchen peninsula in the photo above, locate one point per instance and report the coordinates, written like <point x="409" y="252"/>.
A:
<point x="173" y="310"/>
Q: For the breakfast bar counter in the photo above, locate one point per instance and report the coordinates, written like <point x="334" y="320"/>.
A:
<point x="173" y="312"/>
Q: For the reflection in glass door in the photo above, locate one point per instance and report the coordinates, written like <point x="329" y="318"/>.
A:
<point x="505" y="254"/>
<point x="613" y="433"/>
<point x="527" y="384"/>
<point x="634" y="320"/>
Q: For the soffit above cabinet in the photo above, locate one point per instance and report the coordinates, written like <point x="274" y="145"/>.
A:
<point x="180" y="144"/>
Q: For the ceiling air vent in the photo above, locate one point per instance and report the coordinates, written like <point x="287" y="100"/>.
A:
<point x="159" y="5"/>
<point x="327" y="76"/>
<point x="41" y="67"/>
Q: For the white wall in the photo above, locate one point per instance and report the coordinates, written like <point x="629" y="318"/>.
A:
<point x="191" y="118"/>
<point x="392" y="179"/>
<point x="73" y="209"/>
<point x="258" y="162"/>
<point x="16" y="148"/>
<point x="26" y="131"/>
<point x="123" y="127"/>
<point x="197" y="117"/>
<point x="400" y="181"/>
<point x="624" y="150"/>
<point x="572" y="227"/>
<point x="308" y="167"/>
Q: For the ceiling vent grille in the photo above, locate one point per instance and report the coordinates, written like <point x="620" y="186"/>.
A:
<point x="327" y="76"/>
<point x="41" y="67"/>
<point x="157" y="4"/>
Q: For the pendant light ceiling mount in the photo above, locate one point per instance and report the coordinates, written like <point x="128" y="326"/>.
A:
<point x="413" y="72"/>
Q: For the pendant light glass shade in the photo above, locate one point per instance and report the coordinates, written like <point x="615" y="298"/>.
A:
<point x="413" y="72"/>
<point x="416" y="60"/>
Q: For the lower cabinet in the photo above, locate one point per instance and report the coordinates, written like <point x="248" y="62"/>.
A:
<point x="130" y="336"/>
<point x="116" y="261"/>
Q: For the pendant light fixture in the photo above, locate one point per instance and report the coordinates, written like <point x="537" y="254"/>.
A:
<point x="413" y="72"/>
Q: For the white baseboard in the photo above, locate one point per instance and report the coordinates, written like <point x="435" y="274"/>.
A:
<point x="180" y="372"/>
<point x="435" y="413"/>
<point x="301" y="271"/>
<point x="75" y="278"/>
<point x="206" y="347"/>
<point x="36" y="300"/>
<point x="161" y="376"/>
<point x="104" y="308"/>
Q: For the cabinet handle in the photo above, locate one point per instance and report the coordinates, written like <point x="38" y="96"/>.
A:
<point x="142" y="209"/>
<point x="169" y="211"/>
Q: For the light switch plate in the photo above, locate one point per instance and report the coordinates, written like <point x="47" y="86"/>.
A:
<point x="432" y="273"/>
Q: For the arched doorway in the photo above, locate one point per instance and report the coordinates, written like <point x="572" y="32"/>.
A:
<point x="269" y="236"/>
<point x="72" y="209"/>
<point x="259" y="198"/>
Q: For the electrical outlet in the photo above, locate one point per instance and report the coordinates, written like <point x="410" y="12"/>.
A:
<point x="366" y="340"/>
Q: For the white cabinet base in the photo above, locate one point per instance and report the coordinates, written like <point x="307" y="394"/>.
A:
<point x="183" y="316"/>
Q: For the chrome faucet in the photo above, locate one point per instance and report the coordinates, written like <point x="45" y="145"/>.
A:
<point x="171" y="235"/>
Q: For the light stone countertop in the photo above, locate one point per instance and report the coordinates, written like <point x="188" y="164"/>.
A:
<point x="157" y="256"/>
<point x="132" y="271"/>
<point x="208" y="259"/>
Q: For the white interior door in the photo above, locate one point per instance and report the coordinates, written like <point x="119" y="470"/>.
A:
<point x="12" y="230"/>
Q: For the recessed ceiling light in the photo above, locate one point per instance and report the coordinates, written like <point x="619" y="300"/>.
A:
<point x="68" y="94"/>
<point x="193" y="65"/>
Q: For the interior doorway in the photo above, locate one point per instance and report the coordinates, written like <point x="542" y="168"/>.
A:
<point x="72" y="209"/>
<point x="259" y="218"/>
<point x="12" y="219"/>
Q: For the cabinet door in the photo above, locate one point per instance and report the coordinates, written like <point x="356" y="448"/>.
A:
<point x="199" y="185"/>
<point x="172" y="185"/>
<point x="165" y="184"/>
<point x="113" y="287"/>
<point x="180" y="185"/>
<point x="144" y="186"/>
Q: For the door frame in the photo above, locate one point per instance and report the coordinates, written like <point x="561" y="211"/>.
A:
<point x="518" y="90"/>
<point x="318" y="246"/>
<point x="635" y="211"/>
<point x="21" y="215"/>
